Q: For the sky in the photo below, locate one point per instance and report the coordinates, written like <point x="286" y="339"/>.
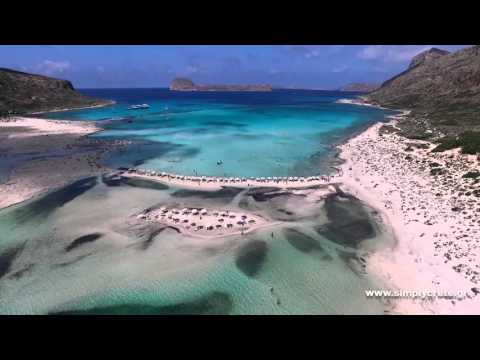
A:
<point x="292" y="66"/>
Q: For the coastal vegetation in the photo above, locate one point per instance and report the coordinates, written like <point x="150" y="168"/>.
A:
<point x="22" y="93"/>
<point x="469" y="141"/>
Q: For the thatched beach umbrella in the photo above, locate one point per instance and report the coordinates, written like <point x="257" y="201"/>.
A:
<point x="203" y="212"/>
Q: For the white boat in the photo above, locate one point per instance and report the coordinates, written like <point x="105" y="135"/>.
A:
<point x="138" y="107"/>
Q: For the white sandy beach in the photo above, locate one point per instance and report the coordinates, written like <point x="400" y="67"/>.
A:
<point x="437" y="245"/>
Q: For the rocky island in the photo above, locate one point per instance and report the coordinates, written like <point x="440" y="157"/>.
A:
<point x="22" y="93"/>
<point x="182" y="84"/>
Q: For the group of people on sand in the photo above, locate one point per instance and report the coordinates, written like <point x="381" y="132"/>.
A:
<point x="210" y="179"/>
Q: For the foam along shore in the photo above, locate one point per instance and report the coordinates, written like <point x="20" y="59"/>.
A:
<point x="216" y="183"/>
<point x="206" y="223"/>
<point x="359" y="101"/>
<point x="434" y="210"/>
<point x="47" y="154"/>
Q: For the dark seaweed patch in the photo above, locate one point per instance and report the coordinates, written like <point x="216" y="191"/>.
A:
<point x="83" y="240"/>
<point x="7" y="258"/>
<point x="141" y="150"/>
<point x="265" y="193"/>
<point x="20" y="273"/>
<point x="251" y="257"/>
<point x="261" y="190"/>
<point x="44" y="206"/>
<point x="300" y="241"/>
<point x="143" y="183"/>
<point x="70" y="262"/>
<point x="215" y="303"/>
<point x="227" y="193"/>
<point x="112" y="180"/>
<point x="285" y="211"/>
<point x="151" y="236"/>
<point x="115" y="180"/>
<point x="349" y="223"/>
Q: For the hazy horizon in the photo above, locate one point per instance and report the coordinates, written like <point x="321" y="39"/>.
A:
<point x="316" y="67"/>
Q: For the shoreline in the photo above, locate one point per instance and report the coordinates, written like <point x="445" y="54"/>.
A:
<point x="108" y="103"/>
<point x="376" y="172"/>
<point x="34" y="145"/>
<point x="435" y="244"/>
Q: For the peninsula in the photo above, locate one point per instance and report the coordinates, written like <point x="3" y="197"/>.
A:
<point x="22" y="93"/>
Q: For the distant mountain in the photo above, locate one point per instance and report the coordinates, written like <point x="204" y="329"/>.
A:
<point x="443" y="86"/>
<point x="360" y="87"/>
<point x="22" y="92"/>
<point x="182" y="84"/>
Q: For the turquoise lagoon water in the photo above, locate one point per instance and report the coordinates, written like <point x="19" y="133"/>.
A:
<point x="279" y="133"/>
<point x="81" y="250"/>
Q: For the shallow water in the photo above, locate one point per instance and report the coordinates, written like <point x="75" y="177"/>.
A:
<point x="86" y="253"/>
<point x="81" y="249"/>
<point x="279" y="133"/>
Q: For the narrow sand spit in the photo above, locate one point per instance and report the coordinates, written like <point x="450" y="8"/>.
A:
<point x="216" y="183"/>
<point x="435" y="215"/>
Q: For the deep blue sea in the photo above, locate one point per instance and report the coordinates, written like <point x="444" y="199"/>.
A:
<point x="278" y="133"/>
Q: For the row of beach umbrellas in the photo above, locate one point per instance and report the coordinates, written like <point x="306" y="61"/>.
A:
<point x="229" y="179"/>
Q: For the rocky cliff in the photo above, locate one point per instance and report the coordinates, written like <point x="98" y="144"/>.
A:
<point x="24" y="93"/>
<point x="182" y="84"/>
<point x="445" y="86"/>
<point x="443" y="91"/>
